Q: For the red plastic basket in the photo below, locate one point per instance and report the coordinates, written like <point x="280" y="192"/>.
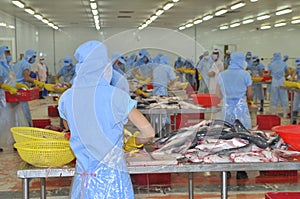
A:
<point x="149" y="86"/>
<point x="206" y="100"/>
<point x="41" y="123"/>
<point x="151" y="179"/>
<point x="282" y="195"/>
<point x="53" y="111"/>
<point x="266" y="122"/>
<point x="23" y="95"/>
<point x="290" y="135"/>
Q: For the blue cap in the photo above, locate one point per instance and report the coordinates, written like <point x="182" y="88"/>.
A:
<point x="30" y="53"/>
<point x="297" y="61"/>
<point x="68" y="60"/>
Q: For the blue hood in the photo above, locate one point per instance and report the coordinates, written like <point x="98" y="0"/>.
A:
<point x="237" y="60"/>
<point x="277" y="56"/>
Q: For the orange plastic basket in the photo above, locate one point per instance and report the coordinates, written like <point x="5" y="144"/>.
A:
<point x="23" y="95"/>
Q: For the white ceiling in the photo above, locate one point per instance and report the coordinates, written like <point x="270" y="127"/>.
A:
<point x="132" y="13"/>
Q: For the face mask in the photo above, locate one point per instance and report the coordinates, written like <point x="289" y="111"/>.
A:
<point x="248" y="56"/>
<point x="42" y="61"/>
<point x="206" y="57"/>
<point x="215" y="57"/>
<point x="31" y="60"/>
<point x="8" y="58"/>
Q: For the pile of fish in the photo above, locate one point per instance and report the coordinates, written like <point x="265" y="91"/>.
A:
<point x="217" y="141"/>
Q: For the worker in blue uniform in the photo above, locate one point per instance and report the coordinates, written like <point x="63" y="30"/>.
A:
<point x="296" y="102"/>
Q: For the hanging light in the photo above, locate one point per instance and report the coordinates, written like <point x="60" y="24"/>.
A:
<point x="284" y="11"/>
<point x="189" y="25"/>
<point x="168" y="5"/>
<point x="221" y="12"/>
<point x="224" y="27"/>
<point x="181" y="28"/>
<point x="264" y="27"/>
<point x="20" y="4"/>
<point x="93" y="5"/>
<point x="197" y="21"/>
<point x="237" y="5"/>
<point x="207" y="17"/>
<point x="263" y="17"/>
<point x="280" y="24"/>
<point x="295" y="21"/>
<point x="247" y="21"/>
<point x="38" y="16"/>
<point x="235" y="25"/>
<point x="159" y="12"/>
<point x="29" y="11"/>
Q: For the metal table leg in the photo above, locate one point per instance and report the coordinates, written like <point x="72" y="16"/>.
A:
<point x="160" y="125"/>
<point x="191" y="186"/>
<point x="43" y="188"/>
<point x="25" y="187"/>
<point x="224" y="194"/>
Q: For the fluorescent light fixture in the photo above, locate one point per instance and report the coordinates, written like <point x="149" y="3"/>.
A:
<point x="234" y="25"/>
<point x="55" y="27"/>
<point x="93" y="5"/>
<point x="207" y="17"/>
<point x="197" y="21"/>
<point x="237" y="5"/>
<point x="189" y="25"/>
<point x="159" y="12"/>
<point x="95" y="12"/>
<point x="167" y="6"/>
<point x="280" y="24"/>
<point x="140" y="28"/>
<point x="2" y="24"/>
<point x="96" y="17"/>
<point x="38" y="16"/>
<point x="148" y="22"/>
<point x="97" y="27"/>
<point x="295" y="21"/>
<point x="223" y="27"/>
<point x="29" y="11"/>
<point x="253" y="0"/>
<point x="263" y="17"/>
<point x="247" y="21"/>
<point x="181" y="28"/>
<point x="96" y="22"/>
<point x="264" y="27"/>
<point x="175" y="1"/>
<point x="221" y="12"/>
<point x="11" y="27"/>
<point x="19" y="4"/>
<point x="153" y="17"/>
<point x="45" y="21"/>
<point x="284" y="11"/>
<point x="50" y="24"/>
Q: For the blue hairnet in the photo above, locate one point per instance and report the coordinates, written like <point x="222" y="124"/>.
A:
<point x="164" y="60"/>
<point x="237" y="60"/>
<point x="143" y="52"/>
<point x="285" y="57"/>
<point x="29" y="54"/>
<point x="205" y="53"/>
<point x="297" y="61"/>
<point x="276" y="56"/>
<point x="68" y="60"/>
<point x="255" y="58"/>
<point x="118" y="56"/>
<point x="132" y="56"/>
<point x="248" y="53"/>
<point x="157" y="58"/>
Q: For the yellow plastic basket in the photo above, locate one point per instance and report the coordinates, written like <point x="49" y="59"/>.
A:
<point x="291" y="84"/>
<point x="257" y="79"/>
<point x="53" y="153"/>
<point x="23" y="134"/>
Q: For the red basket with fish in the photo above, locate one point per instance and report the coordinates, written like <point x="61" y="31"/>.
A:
<point x="290" y="135"/>
<point x="23" y="95"/>
<point x="266" y="122"/>
<point x="282" y="195"/>
<point x="206" y="100"/>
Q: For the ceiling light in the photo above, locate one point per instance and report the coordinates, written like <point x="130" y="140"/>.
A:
<point x="280" y="24"/>
<point x="55" y="27"/>
<point x="189" y="25"/>
<point x="264" y="27"/>
<point x="153" y="17"/>
<point x="262" y="17"/>
<point x="224" y="27"/>
<point x="175" y="1"/>
<point x="237" y="5"/>
<point x="168" y="6"/>
<point x="197" y="21"/>
<point x="159" y="12"/>
<point x="93" y="5"/>
<point x="221" y="12"/>
<point x="45" y="21"/>
<point x="29" y="11"/>
<point x="50" y="24"/>
<point x="247" y="21"/>
<point x="284" y="11"/>
<point x="95" y="12"/>
<point x="253" y="0"/>
<point x="148" y="22"/>
<point x="235" y="25"/>
<point x="295" y="21"/>
<point x="19" y="4"/>
<point x="2" y="24"/>
<point x="96" y="17"/>
<point x="38" y="16"/>
<point x="207" y="17"/>
<point x="11" y="27"/>
<point x="181" y="28"/>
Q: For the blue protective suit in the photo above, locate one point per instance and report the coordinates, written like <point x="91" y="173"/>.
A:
<point x="162" y="74"/>
<point x="130" y="63"/>
<point x="204" y="66"/>
<point x="255" y="68"/>
<point x="248" y="59"/>
<point x="119" y="62"/>
<point x="277" y="68"/>
<point x="68" y="70"/>
<point x="11" y="114"/>
<point x="178" y="64"/>
<point x="189" y="64"/>
<point x="233" y="84"/>
<point x="19" y="69"/>
<point x="119" y="81"/>
<point x="96" y="112"/>
<point x="296" y="102"/>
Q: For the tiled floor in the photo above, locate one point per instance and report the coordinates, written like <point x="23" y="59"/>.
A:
<point x="206" y="185"/>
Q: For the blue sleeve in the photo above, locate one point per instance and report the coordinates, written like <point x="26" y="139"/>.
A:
<point x="25" y="66"/>
<point x="61" y="104"/>
<point x="248" y="79"/>
<point x="261" y="67"/>
<point x="62" y="71"/>
<point x="172" y="75"/>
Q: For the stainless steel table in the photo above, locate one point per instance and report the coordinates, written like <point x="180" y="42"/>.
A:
<point x="156" y="114"/>
<point x="293" y="90"/>
<point x="27" y="172"/>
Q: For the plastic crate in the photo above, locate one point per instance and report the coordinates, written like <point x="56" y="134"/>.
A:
<point x="53" y="111"/>
<point x="186" y="119"/>
<point x="41" y="123"/>
<point x="282" y="195"/>
<point x="266" y="122"/>
<point x="181" y="120"/>
<point x="149" y="86"/>
<point x="151" y="179"/>
<point x="279" y="173"/>
<point x="206" y="100"/>
<point x="23" y="95"/>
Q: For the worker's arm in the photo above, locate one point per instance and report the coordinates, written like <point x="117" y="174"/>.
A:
<point x="27" y="78"/>
<point x="65" y="123"/>
<point x="211" y="74"/>
<point x="249" y="93"/>
<point x="286" y="73"/>
<point x="218" y="92"/>
<point x="145" y="128"/>
<point x="57" y="78"/>
<point x="261" y="72"/>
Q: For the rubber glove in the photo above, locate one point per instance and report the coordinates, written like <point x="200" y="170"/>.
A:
<point x="250" y="102"/>
<point x="9" y="88"/>
<point x="199" y="76"/>
<point x="130" y="144"/>
<point x="146" y="81"/>
<point x="140" y="77"/>
<point x="19" y="85"/>
<point x="56" y="81"/>
<point x="141" y="93"/>
<point x="39" y="84"/>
